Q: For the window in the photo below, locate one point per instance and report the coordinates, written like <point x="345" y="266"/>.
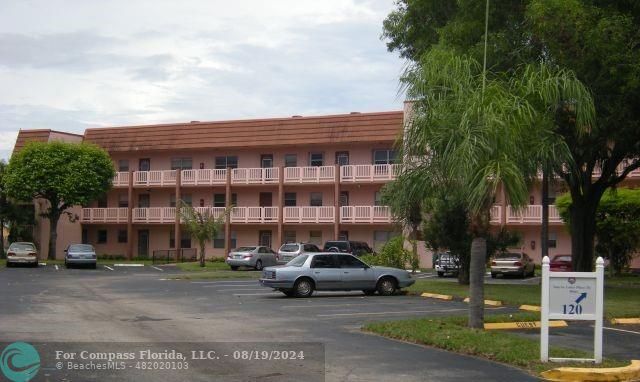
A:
<point x="264" y="238"/>
<point x="552" y="240"/>
<point x="123" y="200"/>
<point x="316" y="159"/>
<point x="102" y="202"/>
<point x="290" y="160"/>
<point x="315" y="199"/>
<point x="181" y="163"/>
<point x="85" y="236"/>
<point x="552" y="195"/>
<point x="343" y="235"/>
<point x="342" y="158"/>
<point x="144" y="164"/>
<point x="289" y="237"/>
<point x="102" y="236"/>
<point x="344" y="198"/>
<point x="122" y="236"/>
<point x="324" y="261"/>
<point x="377" y="199"/>
<point x="315" y="237"/>
<point x="144" y="201"/>
<point x="185" y="198"/>
<point x="266" y="160"/>
<point x="311" y="248"/>
<point x="123" y="165"/>
<point x="350" y="262"/>
<point x="185" y="239"/>
<point x="384" y="156"/>
<point x="226" y="161"/>
<point x="218" y="241"/>
<point x="289" y="199"/>
<point x="219" y="200"/>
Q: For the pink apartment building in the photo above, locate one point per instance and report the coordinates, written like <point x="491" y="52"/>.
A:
<point x="308" y="179"/>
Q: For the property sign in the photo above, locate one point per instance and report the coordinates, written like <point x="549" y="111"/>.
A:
<point x="572" y="296"/>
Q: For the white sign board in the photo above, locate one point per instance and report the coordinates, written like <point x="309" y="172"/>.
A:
<point x="572" y="296"/>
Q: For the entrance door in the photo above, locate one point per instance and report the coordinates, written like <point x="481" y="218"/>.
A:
<point x="265" y="238"/>
<point x="144" y="164"/>
<point x="143" y="243"/>
<point x="143" y="201"/>
<point x="266" y="160"/>
<point x="265" y="199"/>
<point x="344" y="198"/>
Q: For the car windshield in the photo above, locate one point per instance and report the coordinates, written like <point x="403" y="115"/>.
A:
<point x="562" y="258"/>
<point x="508" y="256"/>
<point x="298" y="261"/>
<point x="341" y="245"/>
<point x="245" y="249"/>
<point x="289" y="248"/>
<point x="22" y="247"/>
<point x="81" y="248"/>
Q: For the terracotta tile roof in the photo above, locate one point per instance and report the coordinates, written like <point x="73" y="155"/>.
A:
<point x="39" y="135"/>
<point x="344" y="128"/>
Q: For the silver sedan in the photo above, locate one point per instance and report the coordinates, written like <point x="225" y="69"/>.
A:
<point x="253" y="257"/>
<point x="22" y="253"/>
<point x="332" y="271"/>
<point x="80" y="254"/>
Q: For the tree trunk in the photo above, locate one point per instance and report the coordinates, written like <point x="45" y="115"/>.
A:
<point x="544" y="235"/>
<point x="583" y="230"/>
<point x="415" y="259"/>
<point x="202" y="246"/>
<point x="53" y="234"/>
<point x="476" y="277"/>
<point x="463" y="273"/>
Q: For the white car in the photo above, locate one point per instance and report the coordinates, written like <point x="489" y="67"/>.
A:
<point x="22" y="253"/>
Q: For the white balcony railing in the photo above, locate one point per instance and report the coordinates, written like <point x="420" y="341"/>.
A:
<point x="365" y="214"/>
<point x="104" y="215"/>
<point x="531" y="214"/>
<point x="254" y="215"/>
<point x="369" y="172"/>
<point x="154" y="178"/>
<point x="255" y="175"/>
<point x="496" y="214"/>
<point x="154" y="215"/>
<point x="215" y="211"/>
<point x="309" y="214"/>
<point x="121" y="179"/>
<point x="203" y="177"/>
<point x="313" y="174"/>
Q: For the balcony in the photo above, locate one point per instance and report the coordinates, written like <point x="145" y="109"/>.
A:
<point x="369" y="173"/>
<point x="314" y="174"/>
<point x="633" y="174"/>
<point x="496" y="214"/>
<point x="104" y="215"/>
<point x="309" y="214"/>
<point x="121" y="179"/>
<point x="154" y="215"/>
<point x="531" y="214"/>
<point x="254" y="215"/>
<point x="255" y="175"/>
<point x="365" y="214"/>
<point x="154" y="178"/>
<point x="207" y="177"/>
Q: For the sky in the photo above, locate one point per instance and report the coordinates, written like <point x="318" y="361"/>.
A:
<point x="71" y="65"/>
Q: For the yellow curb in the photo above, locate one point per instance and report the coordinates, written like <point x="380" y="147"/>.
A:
<point x="488" y="302"/>
<point x="530" y="308"/>
<point x="635" y="321"/>
<point x="523" y="325"/>
<point x="626" y="373"/>
<point x="438" y="296"/>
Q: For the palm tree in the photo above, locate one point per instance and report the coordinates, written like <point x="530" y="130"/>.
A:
<point x="474" y="133"/>
<point x="203" y="225"/>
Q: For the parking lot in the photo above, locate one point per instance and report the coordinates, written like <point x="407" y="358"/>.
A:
<point x="143" y="304"/>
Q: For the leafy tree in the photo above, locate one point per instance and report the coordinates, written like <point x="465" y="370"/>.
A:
<point x="63" y="174"/>
<point x="392" y="254"/>
<point x="201" y="225"/>
<point x="501" y="241"/>
<point x="617" y="225"/>
<point x="594" y="39"/>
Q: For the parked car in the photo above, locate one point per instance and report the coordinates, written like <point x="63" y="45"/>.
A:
<point x="256" y="257"/>
<point x="561" y="263"/>
<point x="22" y="252"/>
<point x="289" y="251"/>
<point x="80" y="254"/>
<point x="447" y="264"/>
<point x="333" y="271"/>
<point x="512" y="263"/>
<point x="356" y="248"/>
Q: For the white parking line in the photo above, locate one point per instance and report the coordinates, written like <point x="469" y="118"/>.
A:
<point x="621" y="330"/>
<point x="56" y="267"/>
<point x="392" y="312"/>
<point x="45" y="264"/>
<point x="108" y="267"/>
<point x="129" y="265"/>
<point x="160" y="269"/>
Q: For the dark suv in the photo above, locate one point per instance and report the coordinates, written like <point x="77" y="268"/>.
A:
<point x="357" y="248"/>
<point x="447" y="264"/>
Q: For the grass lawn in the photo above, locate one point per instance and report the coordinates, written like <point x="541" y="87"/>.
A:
<point x="621" y="295"/>
<point x="451" y="333"/>
<point x="212" y="270"/>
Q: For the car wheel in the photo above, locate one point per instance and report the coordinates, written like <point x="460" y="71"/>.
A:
<point x="369" y="292"/>
<point x="440" y="274"/>
<point x="258" y="265"/>
<point x="303" y="288"/>
<point x="493" y="275"/>
<point x="234" y="267"/>
<point x="386" y="286"/>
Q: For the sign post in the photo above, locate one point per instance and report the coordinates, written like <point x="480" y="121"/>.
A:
<point x="572" y="296"/>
